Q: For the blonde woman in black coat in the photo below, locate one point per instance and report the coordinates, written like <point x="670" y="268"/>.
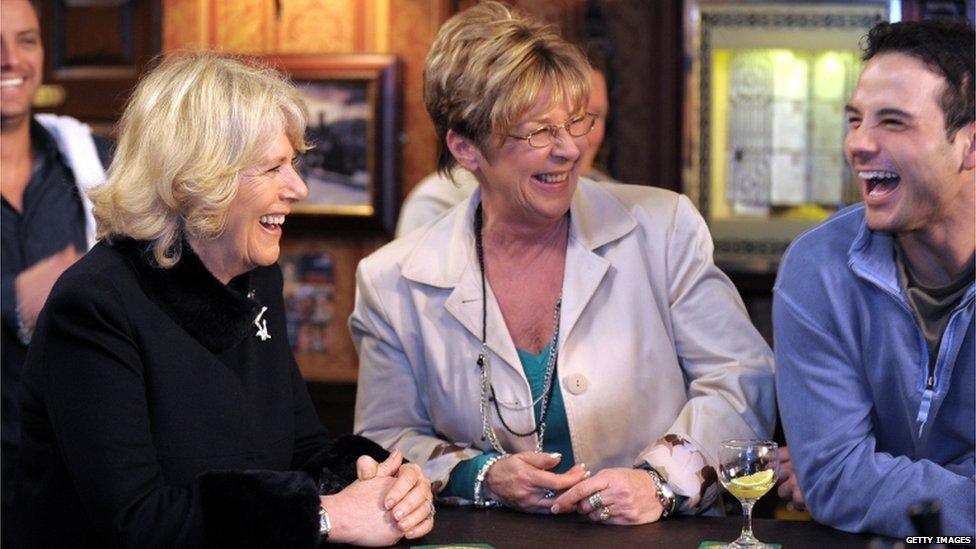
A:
<point x="162" y="405"/>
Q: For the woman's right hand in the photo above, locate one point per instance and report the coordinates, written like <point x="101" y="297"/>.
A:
<point x="520" y="480"/>
<point x="359" y="515"/>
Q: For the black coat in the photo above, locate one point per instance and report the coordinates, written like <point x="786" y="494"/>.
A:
<point x="153" y="415"/>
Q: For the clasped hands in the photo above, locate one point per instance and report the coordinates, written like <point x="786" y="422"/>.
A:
<point x="523" y="481"/>
<point x="386" y="502"/>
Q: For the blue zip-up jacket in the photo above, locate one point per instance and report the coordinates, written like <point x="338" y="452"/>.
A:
<point x="869" y="431"/>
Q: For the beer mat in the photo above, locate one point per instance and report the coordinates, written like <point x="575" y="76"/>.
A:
<point x="716" y="544"/>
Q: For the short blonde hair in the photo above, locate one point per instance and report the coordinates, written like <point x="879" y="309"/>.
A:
<point x="192" y="124"/>
<point x="486" y="68"/>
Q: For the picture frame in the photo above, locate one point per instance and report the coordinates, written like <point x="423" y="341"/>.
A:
<point x="351" y="169"/>
<point x="317" y="304"/>
<point x="762" y="156"/>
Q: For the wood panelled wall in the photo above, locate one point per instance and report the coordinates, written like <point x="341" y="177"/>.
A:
<point x="94" y="52"/>
<point x="644" y="66"/>
<point x="403" y="27"/>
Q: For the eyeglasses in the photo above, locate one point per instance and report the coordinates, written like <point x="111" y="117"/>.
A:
<point x="577" y="126"/>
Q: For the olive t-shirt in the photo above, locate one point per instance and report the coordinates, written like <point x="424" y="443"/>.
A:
<point x="931" y="306"/>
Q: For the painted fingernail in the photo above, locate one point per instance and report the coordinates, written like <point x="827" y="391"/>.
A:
<point x="555" y="455"/>
<point x="388" y="504"/>
<point x="554" y="509"/>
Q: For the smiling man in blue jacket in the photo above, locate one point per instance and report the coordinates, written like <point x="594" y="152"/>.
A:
<point x="873" y="310"/>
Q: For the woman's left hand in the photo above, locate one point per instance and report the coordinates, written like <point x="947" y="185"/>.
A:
<point x="629" y="495"/>
<point x="410" y="499"/>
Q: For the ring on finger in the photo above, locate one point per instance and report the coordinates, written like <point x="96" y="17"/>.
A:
<point x="548" y="494"/>
<point x="604" y="514"/>
<point x="433" y="510"/>
<point x="595" y="501"/>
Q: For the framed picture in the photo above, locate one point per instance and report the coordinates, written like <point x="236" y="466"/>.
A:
<point x="309" y="301"/>
<point x="764" y="119"/>
<point x="353" y="123"/>
<point x="316" y="313"/>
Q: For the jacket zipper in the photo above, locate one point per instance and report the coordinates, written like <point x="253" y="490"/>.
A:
<point x="929" y="393"/>
<point x="923" y="409"/>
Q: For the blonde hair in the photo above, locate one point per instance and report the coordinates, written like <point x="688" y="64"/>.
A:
<point x="192" y="124"/>
<point x="486" y="68"/>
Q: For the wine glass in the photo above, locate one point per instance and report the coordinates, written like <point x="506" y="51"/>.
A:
<point x="748" y="469"/>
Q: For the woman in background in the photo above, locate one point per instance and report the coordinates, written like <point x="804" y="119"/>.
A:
<point x="162" y="405"/>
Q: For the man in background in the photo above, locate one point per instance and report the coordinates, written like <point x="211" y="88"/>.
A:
<point x="45" y="219"/>
<point x="873" y="309"/>
<point x="435" y="194"/>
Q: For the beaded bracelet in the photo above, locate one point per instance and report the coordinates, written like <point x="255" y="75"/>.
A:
<point x="479" y="499"/>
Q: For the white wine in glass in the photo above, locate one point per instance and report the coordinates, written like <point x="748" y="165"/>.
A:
<point x="748" y="469"/>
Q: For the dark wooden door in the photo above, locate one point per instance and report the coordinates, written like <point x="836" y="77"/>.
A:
<point x="95" y="51"/>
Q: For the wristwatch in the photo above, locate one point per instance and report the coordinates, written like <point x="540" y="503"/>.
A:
<point x="665" y="494"/>
<point x="325" y="523"/>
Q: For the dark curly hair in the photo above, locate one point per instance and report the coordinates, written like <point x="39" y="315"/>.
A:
<point x="946" y="46"/>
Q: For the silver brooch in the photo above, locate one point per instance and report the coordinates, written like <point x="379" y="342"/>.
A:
<point x="262" y="326"/>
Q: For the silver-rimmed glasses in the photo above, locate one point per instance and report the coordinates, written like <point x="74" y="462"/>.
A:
<point x="577" y="126"/>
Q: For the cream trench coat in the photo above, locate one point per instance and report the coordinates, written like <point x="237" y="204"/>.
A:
<point x="653" y="339"/>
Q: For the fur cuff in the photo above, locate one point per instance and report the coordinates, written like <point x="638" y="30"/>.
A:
<point x="335" y="467"/>
<point x="260" y="509"/>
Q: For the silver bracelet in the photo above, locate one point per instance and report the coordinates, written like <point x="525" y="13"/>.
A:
<point x="664" y="493"/>
<point x="24" y="332"/>
<point x="479" y="499"/>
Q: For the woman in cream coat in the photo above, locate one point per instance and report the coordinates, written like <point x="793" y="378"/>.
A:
<point x="608" y="291"/>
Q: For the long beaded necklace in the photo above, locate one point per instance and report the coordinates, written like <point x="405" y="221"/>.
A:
<point x="488" y="399"/>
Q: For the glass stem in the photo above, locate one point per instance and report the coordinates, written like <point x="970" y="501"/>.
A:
<point x="747" y="518"/>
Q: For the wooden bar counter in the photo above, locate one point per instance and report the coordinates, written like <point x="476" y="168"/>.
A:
<point x="504" y="529"/>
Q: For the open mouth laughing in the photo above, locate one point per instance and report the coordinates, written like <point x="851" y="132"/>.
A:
<point x="879" y="183"/>
<point x="272" y="222"/>
<point x="554" y="178"/>
<point x="11" y="82"/>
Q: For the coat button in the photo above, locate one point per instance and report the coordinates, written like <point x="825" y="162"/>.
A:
<point x="576" y="384"/>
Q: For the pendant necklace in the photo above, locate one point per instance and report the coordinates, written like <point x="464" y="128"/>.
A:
<point x="488" y="399"/>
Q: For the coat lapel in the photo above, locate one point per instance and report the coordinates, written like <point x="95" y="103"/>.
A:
<point x="465" y="305"/>
<point x="595" y="220"/>
<point x="579" y="284"/>
<point x="446" y="258"/>
<point x="218" y="316"/>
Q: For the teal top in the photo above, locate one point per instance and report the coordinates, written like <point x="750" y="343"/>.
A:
<point x="461" y="483"/>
